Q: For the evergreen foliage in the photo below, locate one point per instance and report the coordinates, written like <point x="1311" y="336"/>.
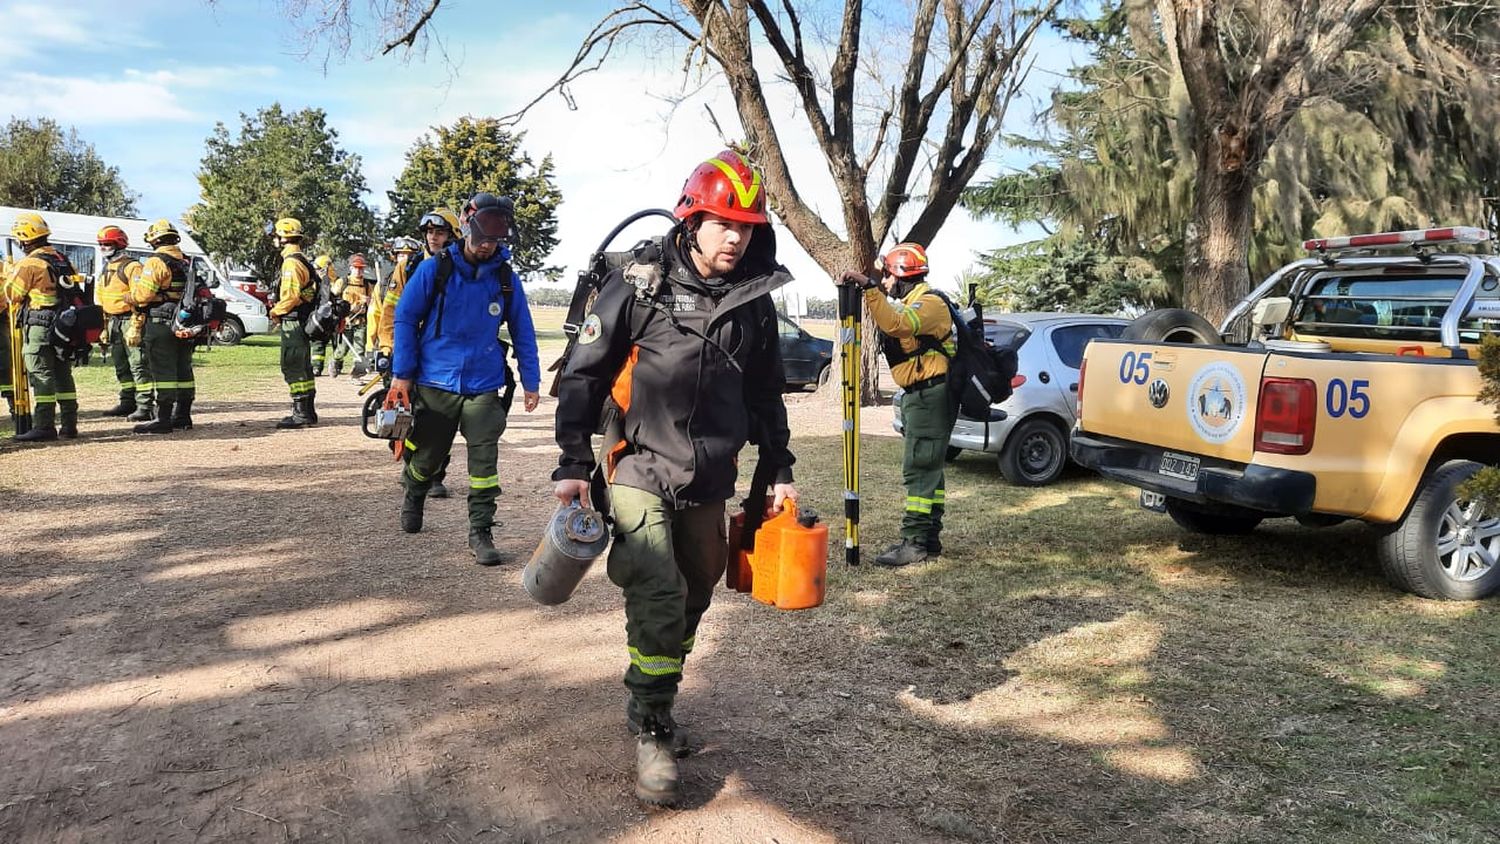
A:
<point x="44" y="167"/>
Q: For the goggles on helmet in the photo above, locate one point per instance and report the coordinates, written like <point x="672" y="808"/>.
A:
<point x="433" y="221"/>
<point x="489" y="225"/>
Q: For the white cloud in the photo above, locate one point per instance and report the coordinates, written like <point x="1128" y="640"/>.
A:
<point x="90" y="101"/>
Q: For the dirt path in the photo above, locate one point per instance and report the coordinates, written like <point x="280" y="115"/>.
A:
<point x="221" y="635"/>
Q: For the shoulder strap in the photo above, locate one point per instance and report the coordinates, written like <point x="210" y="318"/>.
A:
<point x="439" y="289"/>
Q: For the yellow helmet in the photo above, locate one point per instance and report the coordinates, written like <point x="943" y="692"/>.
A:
<point x="29" y="226"/>
<point x="160" y="229"/>
<point x="288" y="227"/>
<point x="440" y="218"/>
<point x="322" y="262"/>
<point x="405" y="244"/>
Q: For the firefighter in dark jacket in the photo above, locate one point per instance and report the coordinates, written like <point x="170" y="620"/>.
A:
<point x="686" y="350"/>
<point x="921" y="370"/>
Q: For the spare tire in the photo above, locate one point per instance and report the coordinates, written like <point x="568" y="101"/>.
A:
<point x="1172" y="325"/>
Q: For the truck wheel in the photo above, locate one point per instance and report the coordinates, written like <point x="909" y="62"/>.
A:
<point x="1215" y="521"/>
<point x="1035" y="454"/>
<point x="1171" y="325"/>
<point x="1447" y="547"/>
<point x="231" y="332"/>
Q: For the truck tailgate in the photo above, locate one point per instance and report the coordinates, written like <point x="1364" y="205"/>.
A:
<point x="1197" y="400"/>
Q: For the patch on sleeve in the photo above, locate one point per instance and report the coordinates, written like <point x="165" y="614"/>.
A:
<point x="591" y="330"/>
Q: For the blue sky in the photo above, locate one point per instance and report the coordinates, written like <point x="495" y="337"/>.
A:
<point x="147" y="85"/>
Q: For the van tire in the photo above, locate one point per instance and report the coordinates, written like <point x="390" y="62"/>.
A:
<point x="1035" y="453"/>
<point x="1172" y="325"/>
<point x="1213" y="521"/>
<point x="1409" y="553"/>
<point x="231" y="332"/>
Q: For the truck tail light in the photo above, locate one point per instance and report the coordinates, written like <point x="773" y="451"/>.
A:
<point x="1082" y="368"/>
<point x="1286" y="416"/>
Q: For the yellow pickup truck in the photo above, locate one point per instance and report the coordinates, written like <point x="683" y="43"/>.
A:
<point x="1342" y="388"/>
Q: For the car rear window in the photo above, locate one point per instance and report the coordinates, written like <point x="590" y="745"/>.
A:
<point x="1070" y="340"/>
<point x="1394" y="305"/>
<point x="1006" y="335"/>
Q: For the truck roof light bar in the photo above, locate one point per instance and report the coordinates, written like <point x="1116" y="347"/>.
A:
<point x="1413" y="238"/>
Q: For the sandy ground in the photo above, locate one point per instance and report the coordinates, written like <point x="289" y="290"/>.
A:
<point x="222" y="635"/>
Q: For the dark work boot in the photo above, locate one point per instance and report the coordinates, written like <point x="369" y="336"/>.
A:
<point x="655" y="763"/>
<point x="438" y="490"/>
<point x="903" y="553"/>
<point x="338" y="367"/>
<point x="298" y="419"/>
<point x="482" y="543"/>
<point x="145" y="409"/>
<point x="183" y="417"/>
<point x="126" y="405"/>
<point x="162" y="424"/>
<point x="317" y="370"/>
<point x="411" y="509"/>
<point x="43" y="425"/>
<point x="934" y="545"/>
<point x="308" y="407"/>
<point x="67" y="424"/>
<point x="680" y="747"/>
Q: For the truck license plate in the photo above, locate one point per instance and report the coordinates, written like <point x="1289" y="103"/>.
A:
<point x="1181" y="466"/>
<point x="1153" y="501"/>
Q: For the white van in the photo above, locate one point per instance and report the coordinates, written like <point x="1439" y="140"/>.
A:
<point x="74" y="236"/>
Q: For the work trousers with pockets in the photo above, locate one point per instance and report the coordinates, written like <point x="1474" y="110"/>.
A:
<point x="437" y="416"/>
<point x="124" y="357"/>
<point x="296" y="363"/>
<point x="667" y="560"/>
<point x="169" y="359"/>
<point x="353" y="339"/>
<point x="50" y="375"/>
<point x="928" y="420"/>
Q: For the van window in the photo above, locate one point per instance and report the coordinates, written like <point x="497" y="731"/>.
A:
<point x="81" y="257"/>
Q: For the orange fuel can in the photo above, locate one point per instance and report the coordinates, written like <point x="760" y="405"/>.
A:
<point x="788" y="567"/>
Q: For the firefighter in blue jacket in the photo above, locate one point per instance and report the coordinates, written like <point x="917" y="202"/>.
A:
<point x="448" y="363"/>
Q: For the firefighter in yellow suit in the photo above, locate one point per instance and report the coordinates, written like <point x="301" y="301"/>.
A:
<point x="120" y="271"/>
<point x="351" y="288"/>
<point x="324" y="265"/>
<point x="298" y="291"/>
<point x="159" y="290"/>
<point x="6" y="268"/>
<point x="33" y="288"/>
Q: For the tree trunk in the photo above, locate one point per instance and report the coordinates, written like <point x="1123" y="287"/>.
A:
<point x="1217" y="271"/>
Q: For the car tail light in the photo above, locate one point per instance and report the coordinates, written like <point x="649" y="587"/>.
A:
<point x="1286" y="416"/>
<point x="1017" y="381"/>
<point x="1082" y="369"/>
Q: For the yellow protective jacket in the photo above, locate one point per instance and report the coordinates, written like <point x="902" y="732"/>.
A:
<point x="298" y="285"/>
<point x="156" y="284"/>
<point x="921" y="312"/>
<point x="386" y="330"/>
<point x="352" y="290"/>
<point x="114" y="285"/>
<point x="32" y="283"/>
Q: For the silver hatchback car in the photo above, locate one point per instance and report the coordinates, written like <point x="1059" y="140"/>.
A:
<point x="1032" y="440"/>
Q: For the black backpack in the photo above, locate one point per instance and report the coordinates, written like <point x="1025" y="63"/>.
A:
<point x="78" y="322"/>
<point x="198" y="312"/>
<point x="325" y="312"/>
<point x="984" y="371"/>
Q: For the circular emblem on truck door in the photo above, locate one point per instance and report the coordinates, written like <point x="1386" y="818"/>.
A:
<point x="1158" y="393"/>
<point x="1216" y="402"/>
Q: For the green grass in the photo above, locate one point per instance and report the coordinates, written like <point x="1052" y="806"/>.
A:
<point x="1153" y="686"/>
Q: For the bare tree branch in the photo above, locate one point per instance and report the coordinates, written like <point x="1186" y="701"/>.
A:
<point x="410" y="38"/>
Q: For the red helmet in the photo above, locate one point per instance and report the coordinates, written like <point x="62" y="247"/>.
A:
<point x="725" y="185"/>
<point x="356" y="260"/>
<point x="906" y="260"/>
<point x="113" y="236"/>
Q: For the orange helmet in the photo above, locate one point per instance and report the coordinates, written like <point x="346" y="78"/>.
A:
<point x="725" y="185"/>
<point x="113" y="237"/>
<point x="906" y="260"/>
<point x="357" y="260"/>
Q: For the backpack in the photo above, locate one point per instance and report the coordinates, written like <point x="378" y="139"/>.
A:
<point x="984" y="371"/>
<point x="78" y="322"/>
<point x="199" y="311"/>
<point x="326" y="311"/>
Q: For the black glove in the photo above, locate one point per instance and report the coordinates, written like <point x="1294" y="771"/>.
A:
<point x="382" y="363"/>
<point x="860" y="280"/>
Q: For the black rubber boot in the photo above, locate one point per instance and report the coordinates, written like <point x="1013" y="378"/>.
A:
<point x="655" y="763"/>
<point x="297" y="420"/>
<point x="318" y="371"/>
<point x="309" y="408"/>
<point x="903" y="553"/>
<point x="411" y="509"/>
<point x="437" y="490"/>
<point x="67" y="424"/>
<point x="125" y="407"/>
<point x="182" y="419"/>
<point x="482" y="543"/>
<point x="43" y="427"/>
<point x="162" y="424"/>
<point x="934" y="545"/>
<point x="145" y="409"/>
<point x="338" y="367"/>
<point x="680" y="747"/>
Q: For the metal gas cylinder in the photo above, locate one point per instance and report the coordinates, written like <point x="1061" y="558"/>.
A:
<point x="574" y="538"/>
